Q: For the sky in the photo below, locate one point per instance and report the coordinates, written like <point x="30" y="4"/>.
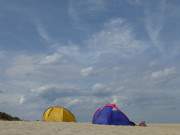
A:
<point x="82" y="54"/>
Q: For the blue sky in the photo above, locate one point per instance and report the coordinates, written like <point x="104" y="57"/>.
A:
<point x="82" y="54"/>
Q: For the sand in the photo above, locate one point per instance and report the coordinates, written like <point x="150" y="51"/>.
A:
<point x="59" y="128"/>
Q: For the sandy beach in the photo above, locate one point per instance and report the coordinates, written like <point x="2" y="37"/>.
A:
<point x="61" y="128"/>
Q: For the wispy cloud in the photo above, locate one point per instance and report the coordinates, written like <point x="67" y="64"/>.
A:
<point x="50" y="59"/>
<point x="44" y="34"/>
<point x="116" y="37"/>
<point x="21" y="65"/>
<point x="21" y="99"/>
<point x="86" y="71"/>
<point x="77" y="11"/>
<point x="112" y="64"/>
<point x="163" y="73"/>
<point x="154" y="23"/>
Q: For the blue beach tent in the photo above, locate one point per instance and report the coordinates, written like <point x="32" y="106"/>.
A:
<point x="111" y="115"/>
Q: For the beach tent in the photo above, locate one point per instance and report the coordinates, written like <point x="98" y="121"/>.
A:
<point x="111" y="115"/>
<point x="57" y="113"/>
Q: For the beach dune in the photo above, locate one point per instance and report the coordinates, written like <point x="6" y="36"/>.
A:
<point x="63" y="128"/>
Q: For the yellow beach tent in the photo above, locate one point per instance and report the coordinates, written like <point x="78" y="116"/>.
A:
<point x="58" y="113"/>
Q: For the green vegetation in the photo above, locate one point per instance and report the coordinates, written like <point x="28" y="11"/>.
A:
<point x="7" y="117"/>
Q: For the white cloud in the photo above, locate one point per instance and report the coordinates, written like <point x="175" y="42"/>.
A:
<point x="41" y="89"/>
<point x="71" y="50"/>
<point x="98" y="86"/>
<point x="9" y="99"/>
<point x="51" y="59"/>
<point x="57" y="90"/>
<point x="87" y="71"/>
<point x="154" y="23"/>
<point x="21" y="99"/>
<point x="21" y="65"/>
<point x="120" y="100"/>
<point x="43" y="33"/>
<point x="115" y="100"/>
<point x="88" y="7"/>
<point x="116" y="38"/>
<point x="71" y="102"/>
<point x="102" y="90"/>
<point x="77" y="11"/>
<point x="73" y="14"/>
<point x="106" y="71"/>
<point x="163" y="73"/>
